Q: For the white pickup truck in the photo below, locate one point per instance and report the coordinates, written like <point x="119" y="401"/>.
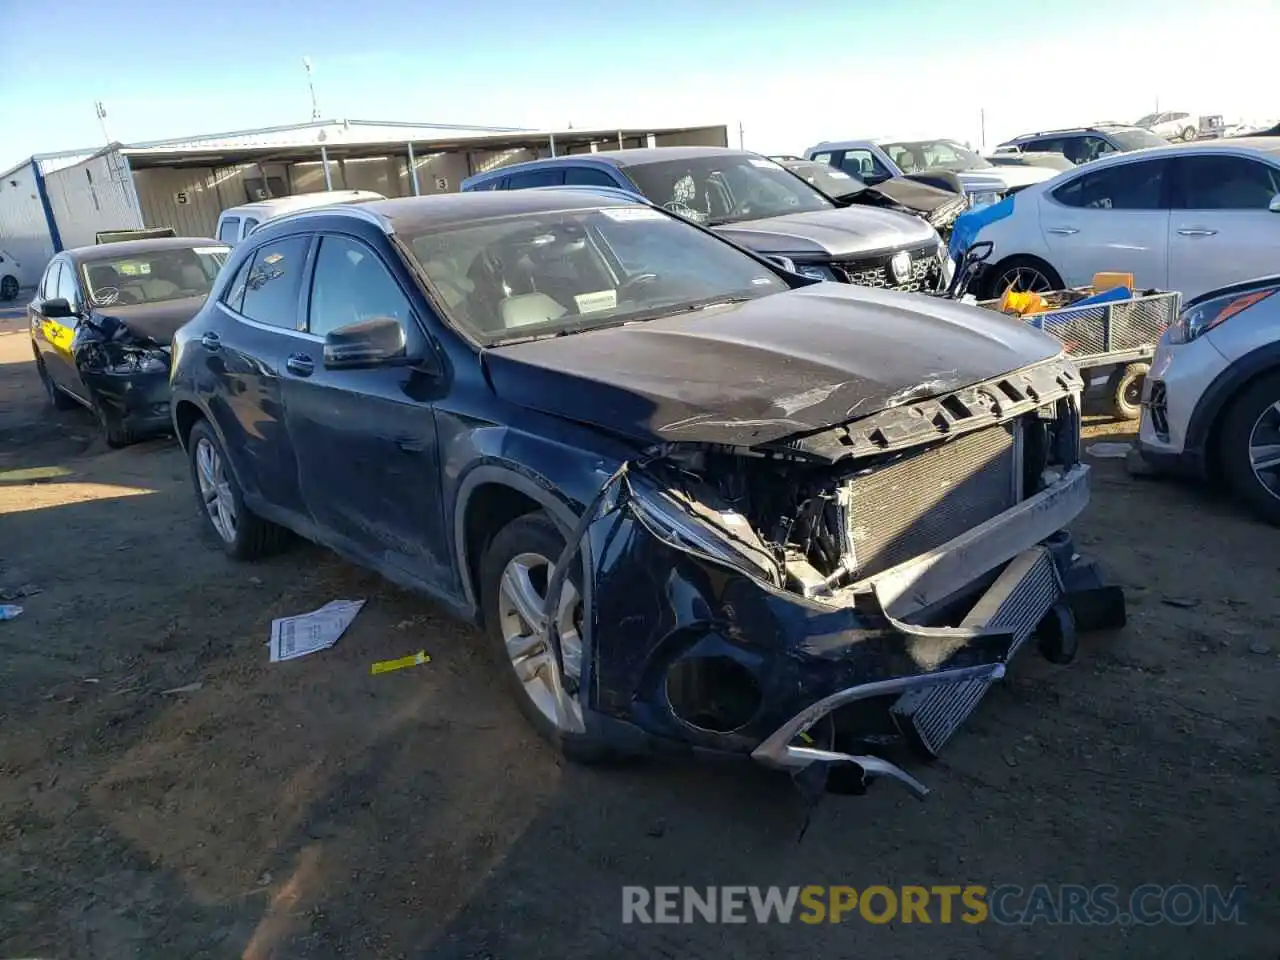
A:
<point x="874" y="161"/>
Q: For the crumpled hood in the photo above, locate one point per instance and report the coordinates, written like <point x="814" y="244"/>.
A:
<point x="153" y="321"/>
<point x="831" y="233"/>
<point x="756" y="372"/>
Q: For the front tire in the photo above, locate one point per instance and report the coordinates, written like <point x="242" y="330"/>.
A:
<point x="514" y="574"/>
<point x="1249" y="447"/>
<point x="242" y="534"/>
<point x="1188" y="134"/>
<point x="1124" y="391"/>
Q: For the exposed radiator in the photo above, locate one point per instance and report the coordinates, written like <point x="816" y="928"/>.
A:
<point x="908" y="507"/>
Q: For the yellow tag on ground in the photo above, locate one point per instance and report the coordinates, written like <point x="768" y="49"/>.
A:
<point x="386" y="666"/>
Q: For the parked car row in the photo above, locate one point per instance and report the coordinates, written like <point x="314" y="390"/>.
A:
<point x="554" y="410"/>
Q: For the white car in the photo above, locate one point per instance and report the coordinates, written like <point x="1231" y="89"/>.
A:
<point x="1211" y="402"/>
<point x="236" y="223"/>
<point x="1188" y="218"/>
<point x="1171" y="125"/>
<point x="10" y="272"/>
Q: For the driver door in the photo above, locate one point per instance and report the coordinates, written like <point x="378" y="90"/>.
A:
<point x="61" y="332"/>
<point x="365" y="438"/>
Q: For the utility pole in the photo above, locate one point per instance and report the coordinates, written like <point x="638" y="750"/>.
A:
<point x="982" y="129"/>
<point x="315" y="106"/>
<point x="740" y="135"/>
<point x="101" y="111"/>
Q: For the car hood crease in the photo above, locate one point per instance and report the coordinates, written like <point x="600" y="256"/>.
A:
<point x="157" y="322"/>
<point x="753" y="373"/>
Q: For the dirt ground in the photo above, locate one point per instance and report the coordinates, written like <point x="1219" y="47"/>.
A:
<point x="311" y="810"/>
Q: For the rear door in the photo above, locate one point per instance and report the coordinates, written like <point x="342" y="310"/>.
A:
<point x="255" y="327"/>
<point x="366" y="438"/>
<point x="1110" y="218"/>
<point x="1221" y="229"/>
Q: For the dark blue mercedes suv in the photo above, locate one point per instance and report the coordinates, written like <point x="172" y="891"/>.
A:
<point x="696" y="501"/>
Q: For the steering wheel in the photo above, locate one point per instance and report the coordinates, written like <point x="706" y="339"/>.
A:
<point x="632" y="284"/>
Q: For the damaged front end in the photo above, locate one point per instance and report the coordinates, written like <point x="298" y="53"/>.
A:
<point x="125" y="373"/>
<point x="829" y="599"/>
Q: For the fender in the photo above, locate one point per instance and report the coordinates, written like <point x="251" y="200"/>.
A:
<point x="1220" y="393"/>
<point x="518" y="478"/>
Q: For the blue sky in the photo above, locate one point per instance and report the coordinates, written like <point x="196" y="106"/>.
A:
<point x="791" y="73"/>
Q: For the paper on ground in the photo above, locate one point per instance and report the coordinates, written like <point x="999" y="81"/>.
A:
<point x="308" y="632"/>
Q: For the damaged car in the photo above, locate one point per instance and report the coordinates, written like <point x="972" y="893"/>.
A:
<point x="936" y="206"/>
<point x="101" y="322"/>
<point x="697" y="502"/>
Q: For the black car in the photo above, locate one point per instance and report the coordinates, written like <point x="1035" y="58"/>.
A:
<point x="695" y="500"/>
<point x="938" y="204"/>
<point x="758" y="203"/>
<point x="101" y="322"/>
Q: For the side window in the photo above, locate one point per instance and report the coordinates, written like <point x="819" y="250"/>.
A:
<point x="351" y="284"/>
<point x="229" y="230"/>
<point x="536" y="178"/>
<point x="588" y="177"/>
<point x="266" y="290"/>
<point x="1046" y="145"/>
<point x="49" y="284"/>
<point x="68" y="288"/>
<point x="1225" y="183"/>
<point x="1129" y="186"/>
<point x="250" y="225"/>
<point x="824" y="157"/>
<point x="1083" y="149"/>
<point x="862" y="164"/>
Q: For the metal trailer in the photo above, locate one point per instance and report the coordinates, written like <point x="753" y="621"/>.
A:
<point x="1120" y="335"/>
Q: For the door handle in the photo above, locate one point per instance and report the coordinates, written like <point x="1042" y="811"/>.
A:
<point x="411" y="444"/>
<point x="300" y="364"/>
<point x="1062" y="231"/>
<point x="1197" y="232"/>
<point x="210" y="341"/>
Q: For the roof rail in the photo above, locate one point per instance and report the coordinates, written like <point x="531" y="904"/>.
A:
<point x="341" y="209"/>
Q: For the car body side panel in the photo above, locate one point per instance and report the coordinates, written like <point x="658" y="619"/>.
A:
<point x="1224" y="387"/>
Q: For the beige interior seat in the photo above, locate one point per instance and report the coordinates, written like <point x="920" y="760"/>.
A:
<point x="529" y="308"/>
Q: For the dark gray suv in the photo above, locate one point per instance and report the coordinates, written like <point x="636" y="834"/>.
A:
<point x="1082" y="144"/>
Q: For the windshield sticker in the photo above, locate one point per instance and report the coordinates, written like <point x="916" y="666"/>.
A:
<point x="761" y="162"/>
<point x="839" y="174"/>
<point x="600" y="300"/>
<point x="273" y="258"/>
<point x="626" y="214"/>
<point x="211" y="251"/>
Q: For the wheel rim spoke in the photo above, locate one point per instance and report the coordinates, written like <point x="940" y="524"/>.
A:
<point x="1265" y="456"/>
<point x="517" y="584"/>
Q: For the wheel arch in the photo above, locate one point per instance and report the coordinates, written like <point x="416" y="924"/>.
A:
<point x="1206" y="421"/>
<point x="489" y="497"/>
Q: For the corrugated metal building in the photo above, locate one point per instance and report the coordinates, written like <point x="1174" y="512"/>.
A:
<point x="57" y="201"/>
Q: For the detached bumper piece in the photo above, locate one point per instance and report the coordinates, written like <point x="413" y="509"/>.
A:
<point x="1017" y="602"/>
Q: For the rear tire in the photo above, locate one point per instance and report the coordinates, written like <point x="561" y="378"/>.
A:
<point x="242" y="534"/>
<point x="1249" y="445"/>
<point x="530" y="544"/>
<point x="1124" y="391"/>
<point x="8" y="288"/>
<point x="1023" y="274"/>
<point x="57" y="399"/>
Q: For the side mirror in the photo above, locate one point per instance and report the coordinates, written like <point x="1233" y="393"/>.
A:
<point x="1274" y="206"/>
<point x="365" y="344"/>
<point x="57" y="309"/>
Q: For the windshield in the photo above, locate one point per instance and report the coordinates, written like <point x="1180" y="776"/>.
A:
<point x="725" y="188"/>
<point x="832" y="182"/>
<point x="1136" y="139"/>
<point x="154" y="276"/>
<point x="1148" y="120"/>
<point x="917" y="156"/>
<point x="550" y="273"/>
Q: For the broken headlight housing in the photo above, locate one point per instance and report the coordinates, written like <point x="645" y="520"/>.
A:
<point x="131" y="362"/>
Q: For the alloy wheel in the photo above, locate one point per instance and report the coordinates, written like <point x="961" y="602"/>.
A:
<point x="1023" y="280"/>
<point x="1264" y="449"/>
<point x="215" y="490"/>
<point x="522" y="595"/>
